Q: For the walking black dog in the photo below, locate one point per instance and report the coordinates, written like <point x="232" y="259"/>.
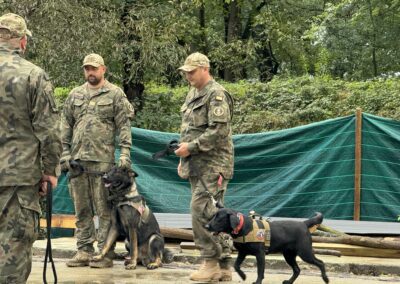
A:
<point x="292" y="238"/>
<point x="131" y="217"/>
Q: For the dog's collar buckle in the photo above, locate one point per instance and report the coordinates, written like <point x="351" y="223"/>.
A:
<point x="240" y="225"/>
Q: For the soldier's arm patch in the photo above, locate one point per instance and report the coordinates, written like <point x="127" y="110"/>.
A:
<point x="218" y="111"/>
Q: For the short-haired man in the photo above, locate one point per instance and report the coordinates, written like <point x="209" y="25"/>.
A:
<point x="206" y="151"/>
<point x="30" y="149"/>
<point x="93" y="115"/>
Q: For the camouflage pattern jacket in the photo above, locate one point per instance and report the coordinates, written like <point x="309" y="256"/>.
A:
<point x="30" y="143"/>
<point x="206" y="126"/>
<point x="91" y="122"/>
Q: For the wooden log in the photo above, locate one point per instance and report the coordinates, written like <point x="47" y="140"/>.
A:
<point x="359" y="241"/>
<point x="328" y="252"/>
<point x="174" y="233"/>
<point x="343" y="249"/>
<point x="327" y="229"/>
<point x="352" y="250"/>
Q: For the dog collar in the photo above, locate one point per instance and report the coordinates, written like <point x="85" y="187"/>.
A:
<point x="240" y="225"/>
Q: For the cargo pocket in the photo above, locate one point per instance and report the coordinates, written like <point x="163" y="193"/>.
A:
<point x="79" y="108"/>
<point x="26" y="226"/>
<point x="105" y="108"/>
<point x="200" y="115"/>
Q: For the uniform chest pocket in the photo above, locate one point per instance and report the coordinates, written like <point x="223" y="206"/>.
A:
<point x="105" y="108"/>
<point x="79" y="107"/>
<point x="200" y="114"/>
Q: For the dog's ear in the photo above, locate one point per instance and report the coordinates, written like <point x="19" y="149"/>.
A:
<point x="234" y="220"/>
<point x="132" y="173"/>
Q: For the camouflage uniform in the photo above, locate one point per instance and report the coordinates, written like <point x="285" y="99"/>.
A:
<point x="90" y="123"/>
<point x="29" y="147"/>
<point x="206" y="126"/>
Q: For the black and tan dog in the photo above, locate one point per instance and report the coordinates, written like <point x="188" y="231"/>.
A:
<point x="130" y="217"/>
<point x="252" y="237"/>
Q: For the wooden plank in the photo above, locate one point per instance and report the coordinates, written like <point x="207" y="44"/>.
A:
<point x="357" y="165"/>
<point x="60" y="221"/>
<point x="348" y="250"/>
<point x="352" y="250"/>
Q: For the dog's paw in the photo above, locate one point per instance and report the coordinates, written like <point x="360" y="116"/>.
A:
<point x="97" y="258"/>
<point x="129" y="264"/>
<point x="152" y="265"/>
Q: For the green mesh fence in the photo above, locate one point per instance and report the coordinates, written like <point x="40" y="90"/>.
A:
<point x="287" y="173"/>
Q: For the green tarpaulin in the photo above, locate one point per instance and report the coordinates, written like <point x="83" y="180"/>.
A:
<point x="286" y="173"/>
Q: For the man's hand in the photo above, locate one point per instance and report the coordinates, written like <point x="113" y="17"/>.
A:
<point x="124" y="161"/>
<point x="183" y="150"/>
<point x="43" y="184"/>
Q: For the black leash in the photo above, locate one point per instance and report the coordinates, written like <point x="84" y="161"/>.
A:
<point x="48" y="255"/>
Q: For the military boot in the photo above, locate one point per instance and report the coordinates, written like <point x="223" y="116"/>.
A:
<point x="226" y="272"/>
<point x="209" y="271"/>
<point x="81" y="258"/>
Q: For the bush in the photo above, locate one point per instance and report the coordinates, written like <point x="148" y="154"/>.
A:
<point x="281" y="103"/>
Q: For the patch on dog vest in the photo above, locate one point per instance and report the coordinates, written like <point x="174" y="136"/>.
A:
<point x="261" y="233"/>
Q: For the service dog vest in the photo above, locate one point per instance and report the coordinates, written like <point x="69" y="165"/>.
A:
<point x="261" y="233"/>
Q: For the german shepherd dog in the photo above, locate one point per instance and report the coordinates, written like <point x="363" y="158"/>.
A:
<point x="130" y="217"/>
<point x="292" y="238"/>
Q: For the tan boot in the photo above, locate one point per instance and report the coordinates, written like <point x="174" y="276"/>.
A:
<point x="81" y="258"/>
<point x="209" y="271"/>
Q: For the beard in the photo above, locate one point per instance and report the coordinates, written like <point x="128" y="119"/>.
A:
<point x="93" y="80"/>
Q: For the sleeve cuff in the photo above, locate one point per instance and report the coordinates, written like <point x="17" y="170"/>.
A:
<point x="54" y="170"/>
<point x="193" y="147"/>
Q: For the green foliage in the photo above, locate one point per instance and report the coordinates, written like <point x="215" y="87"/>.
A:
<point x="282" y="103"/>
<point x="61" y="94"/>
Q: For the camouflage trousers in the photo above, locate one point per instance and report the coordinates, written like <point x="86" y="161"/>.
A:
<point x="19" y="228"/>
<point x="90" y="198"/>
<point x="203" y="209"/>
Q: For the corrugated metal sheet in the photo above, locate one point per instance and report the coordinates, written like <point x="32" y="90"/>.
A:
<point x="351" y="227"/>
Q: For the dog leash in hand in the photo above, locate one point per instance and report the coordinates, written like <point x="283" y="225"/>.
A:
<point x="49" y="255"/>
<point x="169" y="150"/>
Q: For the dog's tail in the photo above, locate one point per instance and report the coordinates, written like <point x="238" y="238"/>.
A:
<point x="316" y="220"/>
<point x="167" y="256"/>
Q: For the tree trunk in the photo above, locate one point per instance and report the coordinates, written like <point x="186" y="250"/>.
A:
<point x="203" y="36"/>
<point x="232" y="31"/>
<point x="133" y="85"/>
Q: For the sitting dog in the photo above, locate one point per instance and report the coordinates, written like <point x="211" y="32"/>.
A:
<point x="291" y="238"/>
<point x="131" y="217"/>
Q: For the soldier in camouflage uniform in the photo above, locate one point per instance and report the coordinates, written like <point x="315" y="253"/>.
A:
<point x="30" y="149"/>
<point x="93" y="114"/>
<point x="206" y="151"/>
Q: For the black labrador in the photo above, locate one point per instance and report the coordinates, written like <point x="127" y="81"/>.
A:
<point x="292" y="238"/>
<point x="130" y="217"/>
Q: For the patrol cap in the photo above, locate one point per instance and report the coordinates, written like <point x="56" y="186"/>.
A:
<point x="195" y="60"/>
<point x="15" y="24"/>
<point x="94" y="60"/>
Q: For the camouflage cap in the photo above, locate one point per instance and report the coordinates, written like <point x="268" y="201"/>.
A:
<point x="15" y="24"/>
<point x="195" y="60"/>
<point x="94" y="60"/>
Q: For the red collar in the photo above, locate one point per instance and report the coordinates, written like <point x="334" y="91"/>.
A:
<point x="240" y="225"/>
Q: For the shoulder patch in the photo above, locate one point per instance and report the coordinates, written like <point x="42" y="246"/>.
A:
<point x="218" y="111"/>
